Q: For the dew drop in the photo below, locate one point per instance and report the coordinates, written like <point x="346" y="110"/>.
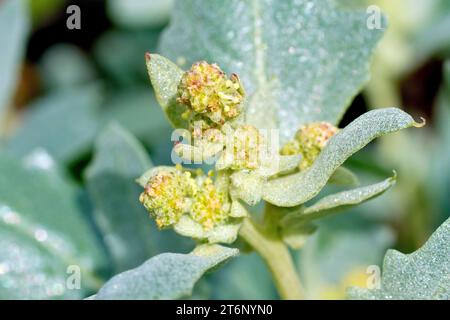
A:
<point x="4" y="268"/>
<point x="39" y="159"/>
<point x="40" y="235"/>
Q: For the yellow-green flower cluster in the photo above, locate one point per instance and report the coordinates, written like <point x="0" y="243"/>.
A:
<point x="309" y="141"/>
<point x="209" y="207"/>
<point x="171" y="193"/>
<point x="210" y="95"/>
<point x="166" y="196"/>
<point x="246" y="148"/>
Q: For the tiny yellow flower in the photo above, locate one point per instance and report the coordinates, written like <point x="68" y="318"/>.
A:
<point x="209" y="206"/>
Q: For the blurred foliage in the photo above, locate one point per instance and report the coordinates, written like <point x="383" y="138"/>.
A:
<point x="44" y="230"/>
<point x="14" y="28"/>
<point x="138" y="13"/>
<point x="338" y="256"/>
<point x="42" y="10"/>
<point x="67" y="193"/>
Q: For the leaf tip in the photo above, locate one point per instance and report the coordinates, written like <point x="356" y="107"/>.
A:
<point x="393" y="179"/>
<point x="420" y="124"/>
<point x="148" y="57"/>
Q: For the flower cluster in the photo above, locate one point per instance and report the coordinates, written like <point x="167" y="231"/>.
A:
<point x="309" y="141"/>
<point x="191" y="202"/>
<point x="210" y="96"/>
<point x="210" y="207"/>
<point x="242" y="149"/>
<point x="171" y="192"/>
<point x="167" y="195"/>
<point x="246" y="148"/>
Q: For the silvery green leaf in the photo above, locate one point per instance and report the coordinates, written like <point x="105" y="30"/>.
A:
<point x="247" y="186"/>
<point x="198" y="154"/>
<point x="44" y="235"/>
<point x="14" y="28"/>
<point x="288" y="163"/>
<point x="336" y="202"/>
<point x="433" y="39"/>
<point x="298" y="188"/>
<point x="165" y="77"/>
<point x="136" y="110"/>
<point x="138" y="13"/>
<point x="128" y="232"/>
<point x="343" y="177"/>
<point x="143" y="179"/>
<point x="166" y="276"/>
<point x="276" y="164"/>
<point x="63" y="123"/>
<point x="187" y="227"/>
<point x="226" y="233"/>
<point x="300" y="61"/>
<point x="119" y="55"/>
<point x="439" y="177"/>
<point x="65" y="66"/>
<point x="238" y="210"/>
<point x="423" y="274"/>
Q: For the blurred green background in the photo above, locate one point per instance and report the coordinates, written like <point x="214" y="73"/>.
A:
<point x="79" y="122"/>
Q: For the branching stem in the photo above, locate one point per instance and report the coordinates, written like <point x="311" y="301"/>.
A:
<point x="277" y="257"/>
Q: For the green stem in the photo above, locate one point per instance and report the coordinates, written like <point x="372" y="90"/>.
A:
<point x="277" y="257"/>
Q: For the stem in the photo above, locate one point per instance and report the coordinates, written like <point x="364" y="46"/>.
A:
<point x="277" y="257"/>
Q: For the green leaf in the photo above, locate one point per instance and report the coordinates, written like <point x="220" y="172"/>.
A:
<point x="63" y="123"/>
<point x="165" y="77"/>
<point x="43" y="231"/>
<point x="136" y="109"/>
<point x="65" y="66"/>
<point x="138" y="13"/>
<point x="300" y="61"/>
<point x="247" y="186"/>
<point x="288" y="163"/>
<point x="226" y="233"/>
<point x="14" y="28"/>
<point x="343" y="177"/>
<point x="145" y="177"/>
<point x="125" y="226"/>
<point x="336" y="202"/>
<point x="166" y="276"/>
<point x="423" y="274"/>
<point x="128" y="231"/>
<point x="434" y="38"/>
<point x="120" y="55"/>
<point x="439" y="177"/>
<point x="298" y="188"/>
